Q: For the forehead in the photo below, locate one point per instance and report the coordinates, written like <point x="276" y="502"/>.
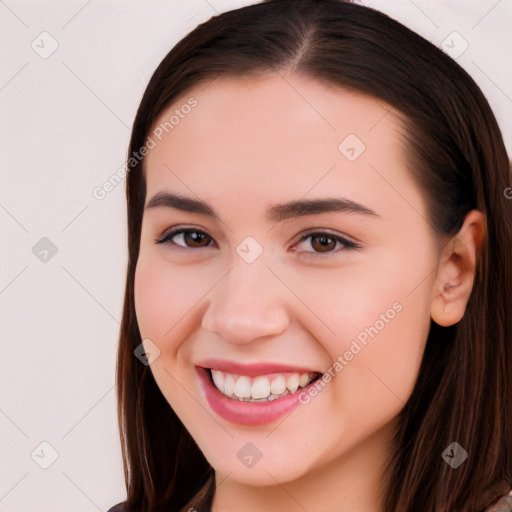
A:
<point x="277" y="136"/>
<point x="291" y="107"/>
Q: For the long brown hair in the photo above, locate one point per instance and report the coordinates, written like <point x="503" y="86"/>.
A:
<point x="455" y="152"/>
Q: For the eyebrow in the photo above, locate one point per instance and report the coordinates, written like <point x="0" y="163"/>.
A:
<point x="274" y="213"/>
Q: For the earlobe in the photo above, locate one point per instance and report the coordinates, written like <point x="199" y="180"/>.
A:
<point x="456" y="271"/>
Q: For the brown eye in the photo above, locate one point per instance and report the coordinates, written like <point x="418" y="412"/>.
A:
<point x="324" y="244"/>
<point x="189" y="238"/>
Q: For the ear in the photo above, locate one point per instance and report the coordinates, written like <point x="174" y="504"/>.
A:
<point x="456" y="271"/>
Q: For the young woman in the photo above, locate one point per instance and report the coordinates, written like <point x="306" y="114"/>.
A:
<point x="318" y="299"/>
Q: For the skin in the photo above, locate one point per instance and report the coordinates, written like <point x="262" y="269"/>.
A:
<point x="254" y="142"/>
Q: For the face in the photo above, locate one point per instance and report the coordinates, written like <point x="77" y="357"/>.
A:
<point x="311" y="317"/>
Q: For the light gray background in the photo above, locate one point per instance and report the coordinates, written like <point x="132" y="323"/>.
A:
<point x="65" y="123"/>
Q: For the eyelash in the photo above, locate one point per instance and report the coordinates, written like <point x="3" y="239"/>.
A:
<point x="165" y="239"/>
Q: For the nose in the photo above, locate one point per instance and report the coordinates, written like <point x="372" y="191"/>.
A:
<point x="247" y="305"/>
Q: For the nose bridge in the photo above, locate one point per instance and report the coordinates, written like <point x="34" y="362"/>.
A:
<point x="246" y="304"/>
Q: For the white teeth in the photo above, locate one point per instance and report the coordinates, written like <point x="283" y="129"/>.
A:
<point x="218" y="378"/>
<point x="278" y="385"/>
<point x="292" y="383"/>
<point x="229" y="385"/>
<point x="243" y="387"/>
<point x="261" y="388"/>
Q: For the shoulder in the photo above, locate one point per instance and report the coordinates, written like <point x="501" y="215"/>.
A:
<point x="504" y="504"/>
<point x="117" y="508"/>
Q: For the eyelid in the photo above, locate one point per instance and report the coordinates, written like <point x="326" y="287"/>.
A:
<point x="326" y="231"/>
<point x="179" y="229"/>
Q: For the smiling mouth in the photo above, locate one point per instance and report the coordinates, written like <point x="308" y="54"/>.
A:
<point x="261" y="388"/>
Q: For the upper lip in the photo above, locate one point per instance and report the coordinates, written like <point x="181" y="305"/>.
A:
<point x="252" y="369"/>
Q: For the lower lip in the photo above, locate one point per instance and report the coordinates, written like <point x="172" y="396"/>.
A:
<point x="246" y="413"/>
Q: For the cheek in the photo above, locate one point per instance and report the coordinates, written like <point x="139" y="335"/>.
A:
<point x="150" y="293"/>
<point x="380" y="314"/>
<point x="164" y="305"/>
<point x="362" y="301"/>
<point x="162" y="297"/>
<point x="386" y="353"/>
